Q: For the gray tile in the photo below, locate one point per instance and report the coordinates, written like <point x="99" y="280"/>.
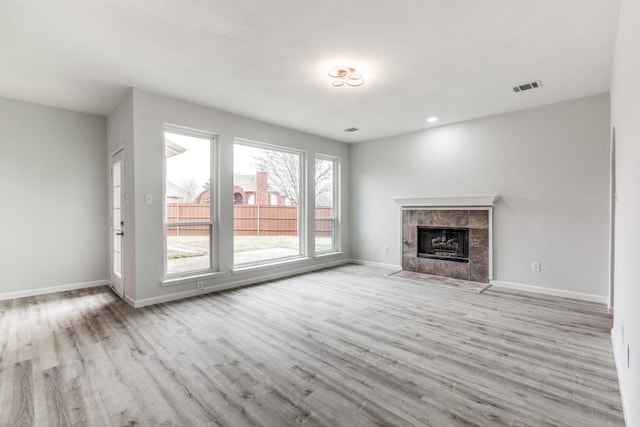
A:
<point x="451" y="218"/>
<point x="478" y="238"/>
<point x="424" y="217"/>
<point x="479" y="274"/>
<point x="409" y="263"/>
<point x="409" y="217"/>
<point x="479" y="219"/>
<point x="479" y="255"/>
<point x="457" y="270"/>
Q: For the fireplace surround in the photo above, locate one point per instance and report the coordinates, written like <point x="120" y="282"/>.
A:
<point x="474" y="267"/>
<point x="474" y="213"/>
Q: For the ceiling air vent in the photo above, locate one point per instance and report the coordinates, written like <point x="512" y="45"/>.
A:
<point x="351" y="130"/>
<point x="526" y="86"/>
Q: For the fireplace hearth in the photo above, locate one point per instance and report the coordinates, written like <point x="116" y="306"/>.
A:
<point x="444" y="243"/>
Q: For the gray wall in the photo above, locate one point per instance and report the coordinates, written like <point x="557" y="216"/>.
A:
<point x="625" y="117"/>
<point x="549" y="165"/>
<point x="150" y="111"/>
<point x="119" y="134"/>
<point x="53" y="181"/>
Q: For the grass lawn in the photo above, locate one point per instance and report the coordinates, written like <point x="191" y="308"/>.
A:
<point x="192" y="246"/>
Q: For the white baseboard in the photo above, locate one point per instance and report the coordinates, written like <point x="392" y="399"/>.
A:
<point x="619" y="367"/>
<point x="233" y="284"/>
<point x="376" y="264"/>
<point x="52" y="289"/>
<point x="549" y="291"/>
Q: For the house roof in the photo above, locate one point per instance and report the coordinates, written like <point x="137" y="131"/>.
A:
<point x="247" y="182"/>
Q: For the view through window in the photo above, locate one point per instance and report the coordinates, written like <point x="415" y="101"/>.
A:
<point x="188" y="203"/>
<point x="326" y="221"/>
<point x="266" y="195"/>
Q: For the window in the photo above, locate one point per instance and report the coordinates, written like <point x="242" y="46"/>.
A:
<point x="189" y="198"/>
<point x="237" y="199"/>
<point x="265" y="231"/>
<point x="326" y="205"/>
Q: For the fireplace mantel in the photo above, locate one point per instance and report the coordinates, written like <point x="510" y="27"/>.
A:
<point x="448" y="201"/>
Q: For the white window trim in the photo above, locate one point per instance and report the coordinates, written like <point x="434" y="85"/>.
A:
<point x="212" y="223"/>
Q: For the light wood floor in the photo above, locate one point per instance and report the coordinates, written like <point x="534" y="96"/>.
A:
<point x="346" y="346"/>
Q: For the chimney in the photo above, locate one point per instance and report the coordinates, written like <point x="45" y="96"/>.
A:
<point x="262" y="187"/>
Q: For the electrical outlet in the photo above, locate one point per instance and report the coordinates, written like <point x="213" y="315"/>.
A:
<point x="200" y="285"/>
<point x="535" y="266"/>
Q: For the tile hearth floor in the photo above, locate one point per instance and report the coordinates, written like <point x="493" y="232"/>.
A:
<point x="463" y="285"/>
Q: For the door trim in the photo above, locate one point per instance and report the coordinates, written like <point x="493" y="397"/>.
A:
<point x="119" y="151"/>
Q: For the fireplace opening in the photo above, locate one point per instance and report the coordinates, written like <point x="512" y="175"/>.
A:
<point x="446" y="243"/>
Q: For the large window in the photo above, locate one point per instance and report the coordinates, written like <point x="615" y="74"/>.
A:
<point x="267" y="228"/>
<point x="189" y="198"/>
<point x="326" y="206"/>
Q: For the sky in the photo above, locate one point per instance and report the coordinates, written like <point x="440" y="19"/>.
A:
<point x="194" y="162"/>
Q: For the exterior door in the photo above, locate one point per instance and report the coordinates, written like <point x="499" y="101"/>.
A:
<point x="117" y="222"/>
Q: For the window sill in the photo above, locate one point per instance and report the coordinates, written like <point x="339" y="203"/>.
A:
<point x="172" y="281"/>
<point x="328" y="254"/>
<point x="275" y="263"/>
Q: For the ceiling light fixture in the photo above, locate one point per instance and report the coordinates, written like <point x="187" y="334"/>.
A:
<point x="432" y="119"/>
<point x="345" y="76"/>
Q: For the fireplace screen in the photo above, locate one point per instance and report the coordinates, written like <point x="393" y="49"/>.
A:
<point x="451" y="244"/>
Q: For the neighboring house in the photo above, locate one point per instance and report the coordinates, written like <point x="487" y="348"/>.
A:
<point x="254" y="190"/>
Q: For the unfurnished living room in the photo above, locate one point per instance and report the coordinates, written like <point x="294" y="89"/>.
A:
<point x="243" y="213"/>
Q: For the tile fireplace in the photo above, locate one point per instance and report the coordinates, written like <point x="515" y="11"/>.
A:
<point x="449" y="242"/>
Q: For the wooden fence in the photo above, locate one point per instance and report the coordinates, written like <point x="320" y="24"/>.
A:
<point x="248" y="220"/>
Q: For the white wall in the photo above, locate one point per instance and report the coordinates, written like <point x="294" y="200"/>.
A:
<point x="625" y="117"/>
<point x="549" y="165"/>
<point x="52" y="191"/>
<point x="150" y="111"/>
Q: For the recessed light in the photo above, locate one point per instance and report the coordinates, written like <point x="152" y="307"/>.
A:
<point x="432" y="119"/>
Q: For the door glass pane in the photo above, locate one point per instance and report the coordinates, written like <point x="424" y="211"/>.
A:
<point x="117" y="218"/>
<point x="116" y="197"/>
<point x="116" y="172"/>
<point x="117" y="265"/>
<point x="266" y="195"/>
<point x="188" y="248"/>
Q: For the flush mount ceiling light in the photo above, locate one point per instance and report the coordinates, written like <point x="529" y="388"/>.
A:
<point x="432" y="119"/>
<point x="345" y="76"/>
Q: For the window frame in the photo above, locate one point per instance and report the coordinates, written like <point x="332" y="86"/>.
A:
<point x="302" y="205"/>
<point x="336" y="206"/>
<point x="213" y="197"/>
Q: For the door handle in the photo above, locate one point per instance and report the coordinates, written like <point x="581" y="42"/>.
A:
<point x="120" y="233"/>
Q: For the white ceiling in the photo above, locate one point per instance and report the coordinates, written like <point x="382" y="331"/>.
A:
<point x="455" y="59"/>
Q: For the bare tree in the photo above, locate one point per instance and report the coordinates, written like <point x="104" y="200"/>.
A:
<point x="189" y="189"/>
<point x="283" y="170"/>
<point x="324" y="182"/>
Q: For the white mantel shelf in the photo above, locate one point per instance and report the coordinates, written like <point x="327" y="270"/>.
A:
<point x="448" y="201"/>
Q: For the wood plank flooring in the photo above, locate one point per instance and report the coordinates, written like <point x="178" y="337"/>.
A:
<point x="347" y="346"/>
